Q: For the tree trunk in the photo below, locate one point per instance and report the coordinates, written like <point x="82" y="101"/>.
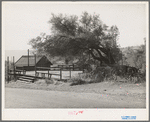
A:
<point x="109" y="60"/>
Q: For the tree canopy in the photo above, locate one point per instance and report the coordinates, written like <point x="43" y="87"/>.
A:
<point x="81" y="37"/>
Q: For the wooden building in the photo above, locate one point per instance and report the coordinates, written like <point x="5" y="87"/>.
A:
<point x="28" y="62"/>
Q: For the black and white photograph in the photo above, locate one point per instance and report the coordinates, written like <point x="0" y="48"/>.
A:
<point x="75" y="60"/>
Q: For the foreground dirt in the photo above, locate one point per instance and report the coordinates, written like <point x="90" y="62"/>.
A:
<point x="130" y="95"/>
<point x="29" y="98"/>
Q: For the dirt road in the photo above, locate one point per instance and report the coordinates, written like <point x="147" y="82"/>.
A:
<point x="29" y="98"/>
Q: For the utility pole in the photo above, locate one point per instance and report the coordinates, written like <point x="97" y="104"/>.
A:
<point x="28" y="57"/>
<point x="14" y="63"/>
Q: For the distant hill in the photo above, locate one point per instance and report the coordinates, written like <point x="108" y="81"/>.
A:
<point x="125" y="51"/>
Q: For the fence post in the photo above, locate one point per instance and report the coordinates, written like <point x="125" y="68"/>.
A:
<point x="8" y="69"/>
<point x="73" y="67"/>
<point x="70" y="72"/>
<point x="60" y="73"/>
<point x="14" y="64"/>
<point x="14" y="68"/>
<point x="48" y="74"/>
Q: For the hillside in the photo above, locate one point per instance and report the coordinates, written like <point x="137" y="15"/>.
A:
<point x="129" y="54"/>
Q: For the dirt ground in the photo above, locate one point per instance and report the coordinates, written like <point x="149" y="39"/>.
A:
<point x="128" y="95"/>
<point x="29" y="98"/>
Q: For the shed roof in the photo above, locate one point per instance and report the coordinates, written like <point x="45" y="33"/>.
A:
<point x="23" y="61"/>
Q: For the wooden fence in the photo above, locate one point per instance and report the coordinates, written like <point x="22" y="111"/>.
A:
<point x="39" y="71"/>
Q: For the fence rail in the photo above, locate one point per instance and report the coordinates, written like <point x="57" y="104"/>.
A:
<point x="22" y="71"/>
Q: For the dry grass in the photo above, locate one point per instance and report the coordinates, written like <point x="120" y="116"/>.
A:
<point x="111" y="87"/>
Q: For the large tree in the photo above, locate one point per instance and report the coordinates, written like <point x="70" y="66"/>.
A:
<point x="84" y="36"/>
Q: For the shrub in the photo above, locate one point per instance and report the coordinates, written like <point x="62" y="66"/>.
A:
<point x="86" y="78"/>
<point x="47" y="81"/>
<point x="77" y="82"/>
<point x="52" y="81"/>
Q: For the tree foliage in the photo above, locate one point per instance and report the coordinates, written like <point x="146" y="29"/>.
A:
<point x="81" y="37"/>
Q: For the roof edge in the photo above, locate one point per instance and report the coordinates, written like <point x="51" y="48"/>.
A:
<point x="18" y="59"/>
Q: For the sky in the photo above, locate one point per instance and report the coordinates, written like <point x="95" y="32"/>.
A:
<point x="22" y="21"/>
